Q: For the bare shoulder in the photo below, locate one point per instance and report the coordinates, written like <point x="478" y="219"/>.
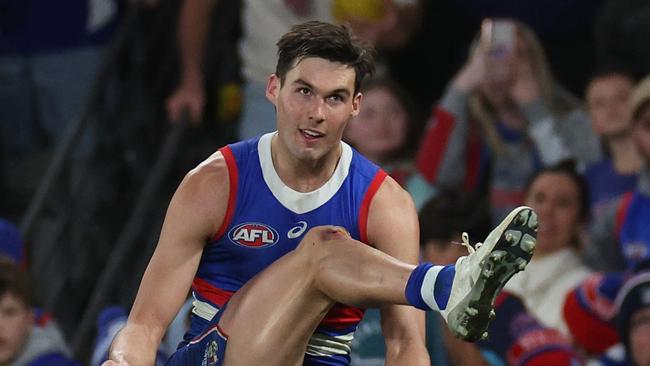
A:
<point x="392" y="197"/>
<point x="203" y="194"/>
<point x="393" y="221"/>
<point x="210" y="175"/>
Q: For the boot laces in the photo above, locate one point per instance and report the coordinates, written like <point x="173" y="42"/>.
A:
<point x="466" y="244"/>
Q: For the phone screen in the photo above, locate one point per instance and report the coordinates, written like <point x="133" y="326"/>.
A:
<point x="499" y="38"/>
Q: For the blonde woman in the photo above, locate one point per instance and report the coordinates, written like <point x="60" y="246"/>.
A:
<point x="503" y="117"/>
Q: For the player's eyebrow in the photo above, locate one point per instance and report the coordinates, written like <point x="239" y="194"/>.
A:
<point x="341" y="91"/>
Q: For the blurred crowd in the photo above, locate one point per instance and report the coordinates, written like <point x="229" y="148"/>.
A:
<point x="477" y="107"/>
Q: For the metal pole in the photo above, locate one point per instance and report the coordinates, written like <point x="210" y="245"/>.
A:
<point x="76" y="126"/>
<point x="130" y="232"/>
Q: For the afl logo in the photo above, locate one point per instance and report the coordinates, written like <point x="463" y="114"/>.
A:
<point x="253" y="235"/>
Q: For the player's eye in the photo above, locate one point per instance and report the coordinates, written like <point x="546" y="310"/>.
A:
<point x="336" y="98"/>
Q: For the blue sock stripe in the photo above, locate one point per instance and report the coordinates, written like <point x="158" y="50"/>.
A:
<point x="414" y="285"/>
<point x="442" y="288"/>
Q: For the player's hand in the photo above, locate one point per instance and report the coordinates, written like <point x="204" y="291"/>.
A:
<point x="190" y="96"/>
<point x="117" y="360"/>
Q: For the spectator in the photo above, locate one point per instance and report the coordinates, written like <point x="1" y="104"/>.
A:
<point x="517" y="338"/>
<point x="13" y="250"/>
<point x="21" y="341"/>
<point x="608" y="97"/>
<point x="49" y="57"/>
<point x="630" y="318"/>
<point x="381" y="131"/>
<point x="634" y="318"/>
<point x="590" y="309"/>
<point x="11" y="243"/>
<point x="558" y="195"/>
<point x="263" y="23"/>
<point x="520" y="339"/>
<point x="443" y="220"/>
<point x="492" y="129"/>
<point x="620" y="238"/>
<point x="384" y="127"/>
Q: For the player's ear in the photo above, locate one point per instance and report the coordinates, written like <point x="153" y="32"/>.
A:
<point x="356" y="104"/>
<point x="273" y="89"/>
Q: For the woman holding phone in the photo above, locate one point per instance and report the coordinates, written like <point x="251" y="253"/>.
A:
<point x="502" y="117"/>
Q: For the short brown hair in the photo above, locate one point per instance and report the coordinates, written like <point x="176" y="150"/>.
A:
<point x="14" y="281"/>
<point x="323" y="40"/>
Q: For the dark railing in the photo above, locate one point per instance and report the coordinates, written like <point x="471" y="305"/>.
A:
<point x="126" y="99"/>
<point x="125" y="243"/>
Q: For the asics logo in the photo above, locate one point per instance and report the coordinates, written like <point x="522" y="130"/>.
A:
<point x="297" y="230"/>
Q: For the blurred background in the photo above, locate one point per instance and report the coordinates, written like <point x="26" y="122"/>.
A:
<point x="99" y="124"/>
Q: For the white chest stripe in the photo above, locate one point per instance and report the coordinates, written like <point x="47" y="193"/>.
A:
<point x="301" y="202"/>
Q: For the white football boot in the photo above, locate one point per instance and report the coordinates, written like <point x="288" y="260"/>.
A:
<point x="483" y="273"/>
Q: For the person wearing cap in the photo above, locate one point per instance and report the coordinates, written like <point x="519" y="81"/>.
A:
<point x="11" y="243"/>
<point x="632" y="323"/>
<point x="22" y="341"/>
<point x="45" y="332"/>
<point x="620" y="242"/>
<point x="633" y="304"/>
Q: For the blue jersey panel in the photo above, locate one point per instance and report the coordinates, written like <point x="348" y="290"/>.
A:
<point x="269" y="219"/>
<point x="263" y="229"/>
<point x="635" y="232"/>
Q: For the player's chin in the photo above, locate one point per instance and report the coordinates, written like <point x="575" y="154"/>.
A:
<point x="311" y="153"/>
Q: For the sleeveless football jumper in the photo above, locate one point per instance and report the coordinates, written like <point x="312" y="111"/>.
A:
<point x="265" y="219"/>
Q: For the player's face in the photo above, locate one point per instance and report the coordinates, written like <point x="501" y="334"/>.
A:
<point x="608" y="98"/>
<point x="380" y="128"/>
<point x="554" y="196"/>
<point x="639" y="339"/>
<point x="314" y="104"/>
<point x="15" y="323"/>
<point x="641" y="132"/>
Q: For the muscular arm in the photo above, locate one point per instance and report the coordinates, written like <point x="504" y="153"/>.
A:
<point x="195" y="213"/>
<point x="393" y="228"/>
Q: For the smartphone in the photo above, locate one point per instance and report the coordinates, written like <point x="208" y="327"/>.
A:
<point x="499" y="38"/>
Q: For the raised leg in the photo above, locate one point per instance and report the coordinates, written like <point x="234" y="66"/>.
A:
<point x="270" y="319"/>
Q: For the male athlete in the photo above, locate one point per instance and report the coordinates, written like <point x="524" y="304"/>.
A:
<point x="252" y="202"/>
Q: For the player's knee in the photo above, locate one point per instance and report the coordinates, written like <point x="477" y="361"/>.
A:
<point x="320" y="235"/>
<point x="313" y="239"/>
<point x="327" y="233"/>
<point x="321" y="242"/>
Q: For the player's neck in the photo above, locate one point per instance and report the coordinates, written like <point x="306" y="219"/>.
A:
<point x="300" y="174"/>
